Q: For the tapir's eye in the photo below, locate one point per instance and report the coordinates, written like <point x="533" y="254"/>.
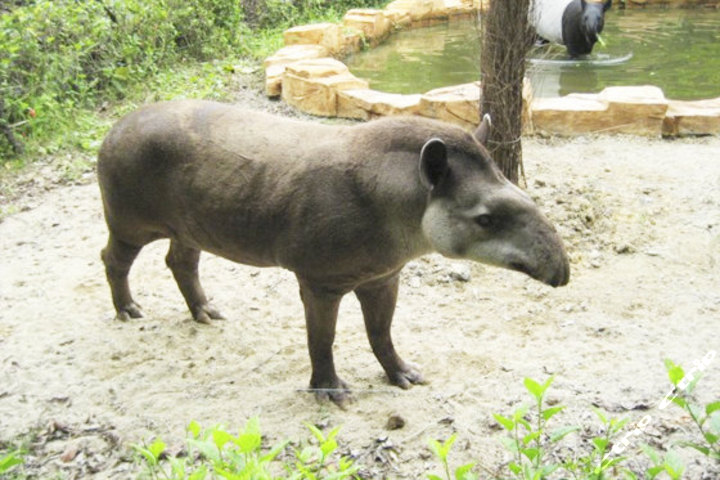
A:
<point x="485" y="221"/>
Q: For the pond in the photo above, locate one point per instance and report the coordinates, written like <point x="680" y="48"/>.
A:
<point x="677" y="50"/>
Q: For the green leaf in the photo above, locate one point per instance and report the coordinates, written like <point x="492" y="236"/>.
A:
<point x="680" y="401"/>
<point x="515" y="468"/>
<point x="653" y="472"/>
<point x="274" y="452"/>
<point x="531" y="453"/>
<point x="445" y="449"/>
<point x="561" y="433"/>
<point x="648" y="450"/>
<point x="601" y="415"/>
<point x="463" y="471"/>
<point x="9" y="461"/>
<point x="534" y="388"/>
<point x="530" y="437"/>
<point x="507" y="423"/>
<point x="674" y="465"/>
<point x="712" y="407"/>
<point x="198" y="474"/>
<point x="548" y="413"/>
<point x="316" y="432"/>
<point x="433" y="477"/>
<point x="711" y="438"/>
<point x="675" y="372"/>
<point x="220" y="438"/>
<point x="194" y="429"/>
<point x="600" y="443"/>
<point x="700" y="448"/>
<point x="157" y="448"/>
<point x="715" y="423"/>
<point x="328" y="446"/>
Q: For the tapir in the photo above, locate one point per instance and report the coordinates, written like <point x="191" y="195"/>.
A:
<point x="344" y="207"/>
<point x="573" y="23"/>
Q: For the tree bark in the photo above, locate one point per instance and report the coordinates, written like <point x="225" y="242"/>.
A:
<point x="506" y="40"/>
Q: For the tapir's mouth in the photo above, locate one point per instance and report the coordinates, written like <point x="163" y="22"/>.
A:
<point x="521" y="267"/>
<point x="560" y="278"/>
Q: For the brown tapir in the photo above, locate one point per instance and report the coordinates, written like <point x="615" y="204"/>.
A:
<point x="343" y="207"/>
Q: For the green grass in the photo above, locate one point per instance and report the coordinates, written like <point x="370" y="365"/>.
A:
<point x="68" y="69"/>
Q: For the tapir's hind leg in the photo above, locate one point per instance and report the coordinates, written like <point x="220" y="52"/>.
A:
<point x="321" y="310"/>
<point x="183" y="262"/>
<point x="377" y="301"/>
<point x="118" y="257"/>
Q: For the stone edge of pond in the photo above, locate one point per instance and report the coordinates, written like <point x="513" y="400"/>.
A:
<point x="307" y="74"/>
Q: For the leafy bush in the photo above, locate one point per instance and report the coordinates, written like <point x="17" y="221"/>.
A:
<point x="215" y="453"/>
<point x="60" y="55"/>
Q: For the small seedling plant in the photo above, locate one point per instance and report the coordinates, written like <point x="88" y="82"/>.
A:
<point x="218" y="454"/>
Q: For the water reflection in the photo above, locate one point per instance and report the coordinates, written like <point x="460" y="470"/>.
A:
<point x="677" y="50"/>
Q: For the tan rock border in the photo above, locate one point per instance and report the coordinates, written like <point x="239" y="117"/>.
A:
<point x="308" y="76"/>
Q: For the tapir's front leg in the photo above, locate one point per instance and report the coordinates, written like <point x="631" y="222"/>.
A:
<point x="321" y="310"/>
<point x="377" y="300"/>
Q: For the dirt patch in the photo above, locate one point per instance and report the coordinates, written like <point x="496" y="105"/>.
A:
<point x="641" y="219"/>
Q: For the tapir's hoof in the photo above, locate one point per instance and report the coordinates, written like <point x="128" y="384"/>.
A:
<point x="337" y="392"/>
<point x="206" y="313"/>
<point x="131" y="310"/>
<point x="406" y="377"/>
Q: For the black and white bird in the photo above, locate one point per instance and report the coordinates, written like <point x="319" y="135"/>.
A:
<point x="573" y="23"/>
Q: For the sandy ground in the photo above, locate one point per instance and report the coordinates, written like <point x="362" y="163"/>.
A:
<point x="641" y="219"/>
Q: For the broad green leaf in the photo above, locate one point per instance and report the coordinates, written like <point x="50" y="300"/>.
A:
<point x="316" y="432"/>
<point x="520" y="413"/>
<point x="711" y="438"/>
<point x="675" y="372"/>
<point x="712" y="407"/>
<point x="650" y="452"/>
<point x="530" y="453"/>
<point x="157" y="448"/>
<point x="220" y="438"/>
<point x="515" y="468"/>
<point x="435" y="446"/>
<point x="600" y="443"/>
<point x="561" y="433"/>
<point x="509" y="444"/>
<point x="198" y="474"/>
<point x="600" y="414"/>
<point x="194" y="429"/>
<point x="653" y="472"/>
<point x="535" y="389"/>
<point x="530" y="437"/>
<point x="700" y="448"/>
<point x="680" y="401"/>
<point x="507" y="423"/>
<point x="9" y="461"/>
<point x="463" y="471"/>
<point x="328" y="446"/>
<point x="548" y="413"/>
<point x="274" y="452"/>
<point x="433" y="477"/>
<point x="715" y="423"/>
<point x="445" y="449"/>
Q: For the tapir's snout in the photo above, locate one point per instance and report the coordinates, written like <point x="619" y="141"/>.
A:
<point x="547" y="262"/>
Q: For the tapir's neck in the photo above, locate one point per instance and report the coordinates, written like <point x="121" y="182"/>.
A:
<point x="400" y="201"/>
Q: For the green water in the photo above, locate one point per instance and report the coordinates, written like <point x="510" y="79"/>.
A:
<point x="676" y="50"/>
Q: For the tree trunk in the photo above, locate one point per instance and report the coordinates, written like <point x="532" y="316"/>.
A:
<point x="506" y="40"/>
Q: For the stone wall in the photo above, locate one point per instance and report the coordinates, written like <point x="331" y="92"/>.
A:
<point x="309" y="76"/>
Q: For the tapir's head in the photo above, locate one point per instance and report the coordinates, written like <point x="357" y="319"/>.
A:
<point x="474" y="212"/>
<point x="582" y="22"/>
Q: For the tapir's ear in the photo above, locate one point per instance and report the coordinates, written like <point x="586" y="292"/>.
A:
<point x="433" y="162"/>
<point x="606" y="5"/>
<point x="483" y="131"/>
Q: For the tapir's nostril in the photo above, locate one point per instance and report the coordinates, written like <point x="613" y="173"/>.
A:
<point x="520" y="267"/>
